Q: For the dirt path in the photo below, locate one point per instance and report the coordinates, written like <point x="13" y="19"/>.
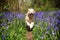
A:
<point x="29" y="36"/>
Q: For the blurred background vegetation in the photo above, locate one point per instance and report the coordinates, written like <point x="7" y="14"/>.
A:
<point x="23" y="5"/>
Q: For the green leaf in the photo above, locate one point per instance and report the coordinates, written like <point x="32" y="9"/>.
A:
<point x="1" y="14"/>
<point x="11" y="34"/>
<point x="20" y="29"/>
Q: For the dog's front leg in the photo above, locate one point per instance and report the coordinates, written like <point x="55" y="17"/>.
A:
<point x="31" y="25"/>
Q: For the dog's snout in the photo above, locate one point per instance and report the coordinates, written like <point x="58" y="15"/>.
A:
<point x="31" y="13"/>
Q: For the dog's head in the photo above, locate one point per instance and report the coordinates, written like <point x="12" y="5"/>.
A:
<point x="30" y="12"/>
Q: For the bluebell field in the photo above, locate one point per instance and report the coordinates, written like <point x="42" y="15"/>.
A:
<point x="46" y="27"/>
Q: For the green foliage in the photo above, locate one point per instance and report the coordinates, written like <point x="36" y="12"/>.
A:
<point x="16" y="30"/>
<point x="23" y="5"/>
<point x="43" y="5"/>
<point x="6" y="7"/>
<point x="11" y="34"/>
<point x="41" y="33"/>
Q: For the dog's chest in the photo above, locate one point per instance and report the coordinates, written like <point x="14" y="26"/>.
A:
<point x="30" y="20"/>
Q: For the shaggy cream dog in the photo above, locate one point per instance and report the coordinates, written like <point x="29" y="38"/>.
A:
<point x="29" y="19"/>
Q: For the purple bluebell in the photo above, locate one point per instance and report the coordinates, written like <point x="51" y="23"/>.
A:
<point x="19" y="15"/>
<point x="56" y="28"/>
<point x="4" y="24"/>
<point x="3" y="36"/>
<point x="48" y="28"/>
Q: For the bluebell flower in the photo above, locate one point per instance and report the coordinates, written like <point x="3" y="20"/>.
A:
<point x="20" y="15"/>
<point x="58" y="21"/>
<point x="49" y="27"/>
<point x="56" y="28"/>
<point x="3" y="24"/>
<point x="9" y="20"/>
<point x="3" y="36"/>
<point x="48" y="18"/>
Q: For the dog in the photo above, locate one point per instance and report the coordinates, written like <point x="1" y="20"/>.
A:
<point x="29" y="19"/>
